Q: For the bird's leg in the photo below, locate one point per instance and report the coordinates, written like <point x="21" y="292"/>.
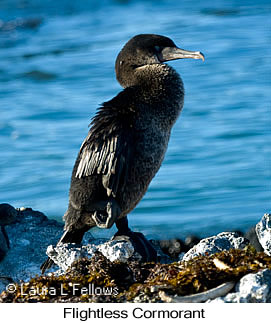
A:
<point x="106" y="213"/>
<point x="140" y="243"/>
<point x="122" y="226"/>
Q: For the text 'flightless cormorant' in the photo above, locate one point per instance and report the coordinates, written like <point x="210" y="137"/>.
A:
<point x="127" y="141"/>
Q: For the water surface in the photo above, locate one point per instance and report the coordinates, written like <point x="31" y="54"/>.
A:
<point x="57" y="65"/>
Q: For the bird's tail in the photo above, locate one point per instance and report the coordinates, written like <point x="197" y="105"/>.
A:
<point x="68" y="236"/>
<point x="46" y="265"/>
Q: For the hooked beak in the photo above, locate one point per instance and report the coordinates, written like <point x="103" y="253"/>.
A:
<point x="171" y="53"/>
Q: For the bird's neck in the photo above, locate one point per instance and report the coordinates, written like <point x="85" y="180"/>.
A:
<point x="160" y="88"/>
<point x="159" y="81"/>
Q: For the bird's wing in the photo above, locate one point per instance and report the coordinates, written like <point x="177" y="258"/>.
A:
<point x="108" y="147"/>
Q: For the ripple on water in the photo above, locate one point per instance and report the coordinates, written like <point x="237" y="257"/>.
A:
<point x="37" y="75"/>
<point x="56" y="70"/>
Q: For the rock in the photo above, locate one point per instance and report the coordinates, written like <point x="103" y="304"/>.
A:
<point x="252" y="288"/>
<point x="8" y="214"/>
<point x="162" y="257"/>
<point x="176" y="248"/>
<point x="117" y="262"/>
<point x="263" y="231"/>
<point x="173" y="247"/>
<point x="32" y="218"/>
<point x="4" y="281"/>
<point x="117" y="250"/>
<point x="191" y="241"/>
<point x="33" y="231"/>
<point x="195" y="281"/>
<point x="253" y="239"/>
<point x="29" y="237"/>
<point x="211" y="245"/>
<point x="114" y="250"/>
<point x="3" y="244"/>
<point x="64" y="255"/>
<point x="3" y="285"/>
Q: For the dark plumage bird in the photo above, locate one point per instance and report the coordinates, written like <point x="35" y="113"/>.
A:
<point x="127" y="141"/>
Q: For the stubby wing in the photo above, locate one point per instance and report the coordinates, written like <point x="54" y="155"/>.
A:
<point x="108" y="148"/>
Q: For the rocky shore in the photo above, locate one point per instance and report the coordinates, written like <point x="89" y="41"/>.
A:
<point x="228" y="267"/>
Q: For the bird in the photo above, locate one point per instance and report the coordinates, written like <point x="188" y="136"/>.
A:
<point x="126" y="142"/>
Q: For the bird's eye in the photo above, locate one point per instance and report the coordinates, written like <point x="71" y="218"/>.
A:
<point x="157" y="49"/>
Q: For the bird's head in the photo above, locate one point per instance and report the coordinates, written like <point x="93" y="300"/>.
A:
<point x="146" y="49"/>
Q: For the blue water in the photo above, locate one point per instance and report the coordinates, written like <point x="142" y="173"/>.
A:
<point x="57" y="67"/>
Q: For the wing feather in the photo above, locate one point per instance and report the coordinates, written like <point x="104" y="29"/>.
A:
<point x="107" y="147"/>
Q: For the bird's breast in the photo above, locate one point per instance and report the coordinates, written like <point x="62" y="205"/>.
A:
<point x="148" y="153"/>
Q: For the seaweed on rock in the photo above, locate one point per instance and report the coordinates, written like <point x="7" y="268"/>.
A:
<point x="135" y="282"/>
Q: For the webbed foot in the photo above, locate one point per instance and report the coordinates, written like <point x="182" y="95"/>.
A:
<point x="139" y="241"/>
